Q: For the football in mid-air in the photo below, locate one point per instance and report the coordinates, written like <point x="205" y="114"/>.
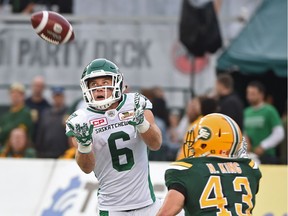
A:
<point x="52" y="27"/>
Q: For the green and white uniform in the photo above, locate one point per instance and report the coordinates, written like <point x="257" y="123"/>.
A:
<point x="121" y="157"/>
<point x="214" y="185"/>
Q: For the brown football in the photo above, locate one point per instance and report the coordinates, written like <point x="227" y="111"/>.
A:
<point x="52" y="27"/>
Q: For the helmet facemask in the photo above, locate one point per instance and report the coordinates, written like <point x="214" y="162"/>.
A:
<point x="116" y="88"/>
<point x="190" y="140"/>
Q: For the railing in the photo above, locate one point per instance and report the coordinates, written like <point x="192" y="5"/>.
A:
<point x="19" y="18"/>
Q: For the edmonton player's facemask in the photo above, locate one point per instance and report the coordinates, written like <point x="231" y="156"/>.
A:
<point x="215" y="134"/>
<point x="102" y="68"/>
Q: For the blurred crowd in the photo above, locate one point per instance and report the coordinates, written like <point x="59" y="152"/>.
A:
<point x="34" y="127"/>
<point x="30" y="6"/>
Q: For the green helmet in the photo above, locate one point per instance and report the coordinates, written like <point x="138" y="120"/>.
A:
<point x="99" y="68"/>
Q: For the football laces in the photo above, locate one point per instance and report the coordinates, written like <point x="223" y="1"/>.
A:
<point x="49" y="39"/>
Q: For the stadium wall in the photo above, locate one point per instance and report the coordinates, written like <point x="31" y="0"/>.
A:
<point x="37" y="187"/>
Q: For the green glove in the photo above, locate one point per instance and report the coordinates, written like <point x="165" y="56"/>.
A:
<point x="139" y="121"/>
<point x="138" y="116"/>
<point x="83" y="135"/>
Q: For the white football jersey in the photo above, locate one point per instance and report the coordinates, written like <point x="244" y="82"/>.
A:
<point x="121" y="157"/>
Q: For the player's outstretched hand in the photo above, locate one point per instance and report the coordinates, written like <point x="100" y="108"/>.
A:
<point x="138" y="117"/>
<point x="138" y="120"/>
<point x="83" y="135"/>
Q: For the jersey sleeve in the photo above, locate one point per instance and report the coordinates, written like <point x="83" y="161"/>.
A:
<point x="274" y="117"/>
<point x="173" y="180"/>
<point x="144" y="99"/>
<point x="177" y="173"/>
<point x="178" y="187"/>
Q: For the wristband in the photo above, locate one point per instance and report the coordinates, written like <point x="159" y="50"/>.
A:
<point x="143" y="127"/>
<point x="84" y="149"/>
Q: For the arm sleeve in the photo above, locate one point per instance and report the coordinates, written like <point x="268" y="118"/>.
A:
<point x="274" y="138"/>
<point x="174" y="180"/>
<point x="144" y="99"/>
<point x="178" y="187"/>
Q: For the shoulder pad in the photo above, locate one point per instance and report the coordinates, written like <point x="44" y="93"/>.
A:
<point x="180" y="165"/>
<point x="253" y="164"/>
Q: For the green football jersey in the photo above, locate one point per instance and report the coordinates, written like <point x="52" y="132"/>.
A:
<point x="215" y="185"/>
<point x="15" y="118"/>
<point x="259" y="124"/>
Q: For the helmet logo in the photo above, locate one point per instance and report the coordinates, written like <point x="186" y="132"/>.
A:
<point x="204" y="133"/>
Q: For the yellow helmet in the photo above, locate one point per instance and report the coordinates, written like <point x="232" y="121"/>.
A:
<point x="215" y="134"/>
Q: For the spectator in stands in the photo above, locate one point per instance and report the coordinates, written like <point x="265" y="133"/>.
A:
<point x="36" y="102"/>
<point x="20" y="6"/>
<point x="70" y="153"/>
<point x="192" y="112"/>
<point x="159" y="105"/>
<point x="161" y="116"/>
<point x="174" y="120"/>
<point x="51" y="141"/>
<point x="159" y="155"/>
<point x="168" y="149"/>
<point x="18" y="145"/>
<point x="206" y="106"/>
<point x="282" y="149"/>
<point x="163" y="152"/>
<point x="262" y="125"/>
<point x="229" y="103"/>
<point x="60" y="6"/>
<point x="173" y="137"/>
<point x="18" y="114"/>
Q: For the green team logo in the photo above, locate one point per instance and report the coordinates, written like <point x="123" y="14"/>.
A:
<point x="204" y="133"/>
